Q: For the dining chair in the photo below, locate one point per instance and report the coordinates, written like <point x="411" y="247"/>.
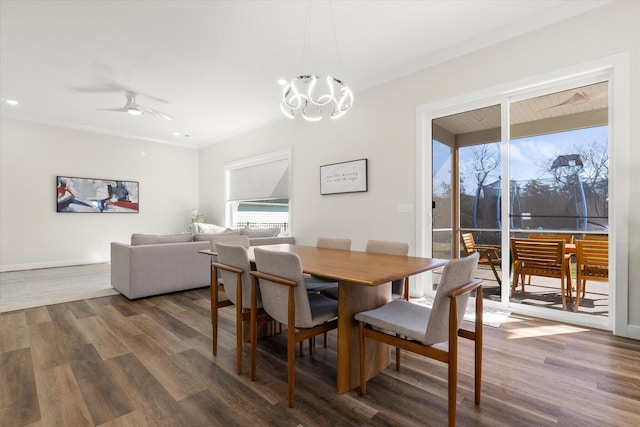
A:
<point x="326" y="286"/>
<point x="541" y="257"/>
<point x="228" y="239"/>
<point x="329" y="289"/>
<point x="592" y="263"/>
<point x="399" y="288"/>
<point x="234" y="266"/>
<point x="417" y="328"/>
<point x="488" y="253"/>
<point x="285" y="299"/>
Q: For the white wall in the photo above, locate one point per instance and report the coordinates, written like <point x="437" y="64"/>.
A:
<point x="33" y="235"/>
<point x="381" y="127"/>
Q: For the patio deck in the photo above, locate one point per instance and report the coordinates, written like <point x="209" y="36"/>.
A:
<point x="545" y="292"/>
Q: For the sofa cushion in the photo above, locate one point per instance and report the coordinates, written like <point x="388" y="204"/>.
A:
<point x="260" y="232"/>
<point x="151" y="239"/>
<point x="202" y="227"/>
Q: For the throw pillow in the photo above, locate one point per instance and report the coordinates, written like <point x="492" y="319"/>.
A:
<point x="152" y="239"/>
<point x="202" y="227"/>
<point x="260" y="232"/>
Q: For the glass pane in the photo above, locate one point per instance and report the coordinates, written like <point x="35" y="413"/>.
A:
<point x="442" y="185"/>
<point x="559" y="183"/>
<point x="560" y="166"/>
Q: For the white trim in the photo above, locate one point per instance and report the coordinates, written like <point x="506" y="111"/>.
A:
<point x="616" y="70"/>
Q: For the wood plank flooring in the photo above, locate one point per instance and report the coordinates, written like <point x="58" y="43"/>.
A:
<point x="113" y="362"/>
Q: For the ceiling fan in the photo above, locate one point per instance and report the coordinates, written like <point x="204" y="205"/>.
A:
<point x="579" y="98"/>
<point x="135" y="109"/>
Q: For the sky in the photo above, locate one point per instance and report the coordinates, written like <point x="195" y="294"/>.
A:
<point x="528" y="155"/>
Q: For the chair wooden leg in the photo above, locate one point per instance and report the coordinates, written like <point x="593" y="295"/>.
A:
<point x="326" y="340"/>
<point x="398" y="353"/>
<point x="214" y="311"/>
<point x="495" y="272"/>
<point x="254" y="325"/>
<point x="239" y="339"/>
<point x="478" y="345"/>
<point x="291" y="362"/>
<point x="363" y="378"/>
<point x="453" y="361"/>
<point x="514" y="285"/>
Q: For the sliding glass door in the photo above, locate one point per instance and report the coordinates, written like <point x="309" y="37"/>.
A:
<point x="537" y="164"/>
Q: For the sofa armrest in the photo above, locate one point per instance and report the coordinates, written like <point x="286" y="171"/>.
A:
<point x="120" y="267"/>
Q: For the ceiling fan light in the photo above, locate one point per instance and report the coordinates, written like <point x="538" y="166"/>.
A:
<point x="134" y="111"/>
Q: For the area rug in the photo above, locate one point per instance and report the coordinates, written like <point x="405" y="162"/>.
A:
<point x="35" y="288"/>
<point x="490" y="316"/>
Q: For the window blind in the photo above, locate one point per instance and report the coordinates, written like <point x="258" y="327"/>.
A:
<point x="268" y="180"/>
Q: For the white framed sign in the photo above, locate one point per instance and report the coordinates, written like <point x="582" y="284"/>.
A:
<point x="345" y="177"/>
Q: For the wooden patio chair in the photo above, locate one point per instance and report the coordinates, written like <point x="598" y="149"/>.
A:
<point x="541" y="257"/>
<point x="488" y="253"/>
<point x="592" y="263"/>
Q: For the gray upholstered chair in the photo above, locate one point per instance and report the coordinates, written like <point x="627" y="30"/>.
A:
<point x="285" y="299"/>
<point x="326" y="286"/>
<point x="334" y="243"/>
<point x="399" y="288"/>
<point x="417" y="328"/>
<point x="234" y="266"/>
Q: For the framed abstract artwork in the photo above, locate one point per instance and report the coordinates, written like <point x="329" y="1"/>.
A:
<point x="75" y="194"/>
<point x="345" y="177"/>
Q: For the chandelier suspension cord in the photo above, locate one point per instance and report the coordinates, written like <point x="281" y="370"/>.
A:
<point x="335" y="37"/>
<point x="305" y="61"/>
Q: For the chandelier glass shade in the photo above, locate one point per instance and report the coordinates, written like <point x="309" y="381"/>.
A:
<point x="314" y="97"/>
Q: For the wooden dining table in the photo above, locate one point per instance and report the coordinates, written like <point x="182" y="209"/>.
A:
<point x="364" y="282"/>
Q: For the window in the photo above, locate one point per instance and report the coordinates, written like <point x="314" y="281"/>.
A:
<point x="257" y="192"/>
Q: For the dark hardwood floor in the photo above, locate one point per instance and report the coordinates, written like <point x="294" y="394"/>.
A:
<point x="113" y="362"/>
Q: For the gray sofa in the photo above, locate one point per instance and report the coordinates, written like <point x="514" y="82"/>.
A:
<point x="154" y="265"/>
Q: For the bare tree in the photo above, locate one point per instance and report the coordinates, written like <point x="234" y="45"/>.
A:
<point x="487" y="160"/>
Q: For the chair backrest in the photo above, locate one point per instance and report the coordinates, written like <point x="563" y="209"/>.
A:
<point x="468" y="242"/>
<point x="596" y="237"/>
<point x="387" y="247"/>
<point x="230" y="239"/>
<point x="541" y="254"/>
<point x="592" y="258"/>
<point x="334" y="243"/>
<point x="457" y="272"/>
<point x="568" y="238"/>
<point x="275" y="296"/>
<point x="235" y="256"/>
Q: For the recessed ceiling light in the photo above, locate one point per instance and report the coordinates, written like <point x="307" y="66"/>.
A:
<point x="11" y="102"/>
<point x="176" y="134"/>
<point x="282" y="82"/>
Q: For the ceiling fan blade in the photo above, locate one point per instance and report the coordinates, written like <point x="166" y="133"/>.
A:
<point x="113" y="109"/>
<point x="158" y="113"/>
<point x="575" y="99"/>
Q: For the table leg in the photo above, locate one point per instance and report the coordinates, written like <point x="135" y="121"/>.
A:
<point x="352" y="299"/>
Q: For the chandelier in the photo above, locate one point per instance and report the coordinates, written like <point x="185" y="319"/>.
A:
<point x="313" y="97"/>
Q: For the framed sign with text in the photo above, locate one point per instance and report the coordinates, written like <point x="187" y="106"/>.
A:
<point x="345" y="177"/>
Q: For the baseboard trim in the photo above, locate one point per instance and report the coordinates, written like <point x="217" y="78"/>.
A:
<point x="50" y="264"/>
<point x="633" y="331"/>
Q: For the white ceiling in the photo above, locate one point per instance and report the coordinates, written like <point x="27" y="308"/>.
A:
<point x="214" y="65"/>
